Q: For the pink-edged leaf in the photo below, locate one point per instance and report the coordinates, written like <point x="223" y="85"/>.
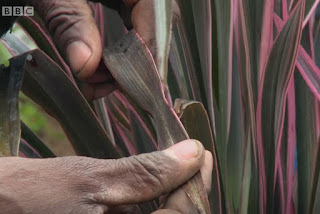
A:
<point x="285" y="15"/>
<point x="46" y="84"/>
<point x="278" y="22"/>
<point x="34" y="142"/>
<point x="184" y="54"/>
<point x="111" y="28"/>
<point x="27" y="151"/>
<point x="109" y="22"/>
<point x="177" y="81"/>
<point x="35" y="28"/>
<point x="271" y="102"/>
<point x="202" y="15"/>
<point x="266" y="35"/>
<point x="222" y="42"/>
<point x="306" y="124"/>
<point x="309" y="71"/>
<point x="314" y="205"/>
<point x="197" y="123"/>
<point x="239" y="158"/>
<point x="242" y="180"/>
<point x="125" y="137"/>
<point x="279" y="183"/>
<point x="307" y="39"/>
<point x="120" y="123"/>
<point x="143" y="133"/>
<point x="132" y="65"/>
<point x="305" y="64"/>
<point x="131" y="125"/>
<point x="102" y="113"/>
<point x="311" y="6"/>
<point x="139" y="138"/>
<point x="291" y="145"/>
<point x="241" y="144"/>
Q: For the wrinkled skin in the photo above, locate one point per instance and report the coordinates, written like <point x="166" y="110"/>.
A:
<point x="86" y="185"/>
<point x="73" y="29"/>
<point x="82" y="185"/>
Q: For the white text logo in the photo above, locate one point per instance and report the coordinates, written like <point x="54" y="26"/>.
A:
<point x="17" y="11"/>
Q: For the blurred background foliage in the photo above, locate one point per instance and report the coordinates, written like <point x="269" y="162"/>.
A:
<point x="45" y="126"/>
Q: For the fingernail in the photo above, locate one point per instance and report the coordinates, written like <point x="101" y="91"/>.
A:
<point x="78" y="53"/>
<point x="185" y="150"/>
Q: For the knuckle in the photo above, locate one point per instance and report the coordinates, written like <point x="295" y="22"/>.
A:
<point x="150" y="172"/>
<point x="59" y="23"/>
<point x="145" y="174"/>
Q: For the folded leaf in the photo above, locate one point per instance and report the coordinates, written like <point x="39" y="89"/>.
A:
<point x="197" y="123"/>
<point x="132" y="66"/>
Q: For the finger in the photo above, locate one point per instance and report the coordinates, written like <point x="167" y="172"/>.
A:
<point x="143" y="21"/>
<point x="166" y="211"/>
<point x="179" y="201"/>
<point x="101" y="75"/>
<point x="130" y="3"/>
<point x="206" y="171"/>
<point x="124" y="209"/>
<point x="96" y="91"/>
<point x="73" y="29"/>
<point x="145" y="177"/>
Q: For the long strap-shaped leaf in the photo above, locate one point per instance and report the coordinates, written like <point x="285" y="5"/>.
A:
<point x="196" y="121"/>
<point x="309" y="71"/>
<point x="10" y="84"/>
<point x="271" y="102"/>
<point x="163" y="16"/>
<point x="132" y="66"/>
<point x="46" y="84"/>
<point x="33" y="141"/>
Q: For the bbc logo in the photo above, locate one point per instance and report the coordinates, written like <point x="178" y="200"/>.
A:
<point x="17" y="11"/>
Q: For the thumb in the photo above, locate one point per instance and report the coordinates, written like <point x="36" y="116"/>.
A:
<point x="73" y="29"/>
<point x="145" y="177"/>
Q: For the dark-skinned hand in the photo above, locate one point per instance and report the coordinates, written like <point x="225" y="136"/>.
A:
<point x="82" y="185"/>
<point x="86" y="185"/>
<point x="74" y="31"/>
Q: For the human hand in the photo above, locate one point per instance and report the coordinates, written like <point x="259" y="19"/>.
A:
<point x="86" y="185"/>
<point x="73" y="29"/>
